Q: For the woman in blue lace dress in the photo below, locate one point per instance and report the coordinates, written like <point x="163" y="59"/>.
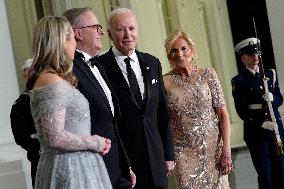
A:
<point x="70" y="156"/>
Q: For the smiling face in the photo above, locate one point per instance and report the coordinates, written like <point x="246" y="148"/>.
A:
<point x="181" y="53"/>
<point x="123" y="32"/>
<point x="87" y="35"/>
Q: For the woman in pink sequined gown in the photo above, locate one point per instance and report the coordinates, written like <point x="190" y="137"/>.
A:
<point x="199" y="119"/>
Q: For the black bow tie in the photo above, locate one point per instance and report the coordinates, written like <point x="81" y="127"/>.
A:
<point x="93" y="61"/>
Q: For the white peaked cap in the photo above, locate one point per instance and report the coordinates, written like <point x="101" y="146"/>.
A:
<point x="27" y="64"/>
<point x="246" y="42"/>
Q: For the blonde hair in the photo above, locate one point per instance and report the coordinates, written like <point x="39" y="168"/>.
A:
<point x="49" y="39"/>
<point x="173" y="37"/>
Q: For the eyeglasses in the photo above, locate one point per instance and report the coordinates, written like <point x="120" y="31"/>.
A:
<point x="95" y="26"/>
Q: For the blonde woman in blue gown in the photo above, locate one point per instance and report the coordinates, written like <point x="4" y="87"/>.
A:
<point x="70" y="156"/>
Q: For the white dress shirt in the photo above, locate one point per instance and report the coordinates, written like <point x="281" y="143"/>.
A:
<point x="134" y="63"/>
<point x="100" y="79"/>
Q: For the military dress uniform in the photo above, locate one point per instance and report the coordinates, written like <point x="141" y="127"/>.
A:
<point x="248" y="93"/>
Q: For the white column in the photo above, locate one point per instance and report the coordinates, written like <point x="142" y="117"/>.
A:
<point x="9" y="89"/>
<point x="14" y="168"/>
<point x="276" y="17"/>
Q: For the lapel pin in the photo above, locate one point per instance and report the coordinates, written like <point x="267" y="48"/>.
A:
<point x="147" y="68"/>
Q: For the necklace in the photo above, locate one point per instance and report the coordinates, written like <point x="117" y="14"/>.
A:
<point x="176" y="78"/>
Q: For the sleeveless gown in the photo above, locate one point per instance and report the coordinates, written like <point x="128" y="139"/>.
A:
<point x="196" y="134"/>
<point x="65" y="161"/>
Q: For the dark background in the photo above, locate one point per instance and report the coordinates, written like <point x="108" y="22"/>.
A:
<point x="241" y="13"/>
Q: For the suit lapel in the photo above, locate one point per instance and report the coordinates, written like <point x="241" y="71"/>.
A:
<point x="116" y="74"/>
<point x="114" y="97"/>
<point x="146" y="71"/>
<point x="81" y="64"/>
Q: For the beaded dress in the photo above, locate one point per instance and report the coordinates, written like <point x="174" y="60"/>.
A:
<point x="66" y="161"/>
<point x="196" y="134"/>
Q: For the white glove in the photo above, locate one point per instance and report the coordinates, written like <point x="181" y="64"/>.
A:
<point x="269" y="125"/>
<point x="268" y="97"/>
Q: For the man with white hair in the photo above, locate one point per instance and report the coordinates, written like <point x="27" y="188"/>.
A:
<point x="250" y="102"/>
<point x="22" y="124"/>
<point x="136" y="78"/>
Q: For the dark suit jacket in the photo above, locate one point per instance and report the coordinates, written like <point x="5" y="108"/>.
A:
<point x="102" y="121"/>
<point x="22" y="125"/>
<point x="248" y="89"/>
<point x="145" y="131"/>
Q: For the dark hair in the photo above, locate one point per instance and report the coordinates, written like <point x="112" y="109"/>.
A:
<point x="72" y="15"/>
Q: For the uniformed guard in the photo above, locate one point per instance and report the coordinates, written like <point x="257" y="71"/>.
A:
<point x="23" y="126"/>
<point x="249" y="97"/>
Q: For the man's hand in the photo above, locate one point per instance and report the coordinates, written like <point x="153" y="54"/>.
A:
<point x="268" y="97"/>
<point x="132" y="178"/>
<point x="269" y="125"/>
<point x="170" y="167"/>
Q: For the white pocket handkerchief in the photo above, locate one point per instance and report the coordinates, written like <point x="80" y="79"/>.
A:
<point x="154" y="81"/>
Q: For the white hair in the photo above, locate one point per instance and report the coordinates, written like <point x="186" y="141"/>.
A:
<point x="116" y="12"/>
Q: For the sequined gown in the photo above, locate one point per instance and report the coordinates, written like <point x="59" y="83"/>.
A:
<point x="65" y="162"/>
<point x="196" y="133"/>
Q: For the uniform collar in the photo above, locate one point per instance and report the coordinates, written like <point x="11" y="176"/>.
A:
<point x="252" y="71"/>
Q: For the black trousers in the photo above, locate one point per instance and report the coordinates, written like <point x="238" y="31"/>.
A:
<point x="33" y="171"/>
<point x="269" y="166"/>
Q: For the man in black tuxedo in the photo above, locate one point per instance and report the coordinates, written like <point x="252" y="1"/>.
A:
<point x="93" y="84"/>
<point x="138" y="85"/>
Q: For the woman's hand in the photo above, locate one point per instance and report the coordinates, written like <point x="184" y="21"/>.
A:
<point x="225" y="165"/>
<point x="106" y="146"/>
<point x="100" y="144"/>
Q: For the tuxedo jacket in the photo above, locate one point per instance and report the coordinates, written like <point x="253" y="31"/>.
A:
<point x="248" y="89"/>
<point x="103" y="123"/>
<point x="145" y="130"/>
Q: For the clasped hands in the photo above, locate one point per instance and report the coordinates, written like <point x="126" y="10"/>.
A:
<point x="106" y="146"/>
<point x="225" y="165"/>
<point x="100" y="144"/>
